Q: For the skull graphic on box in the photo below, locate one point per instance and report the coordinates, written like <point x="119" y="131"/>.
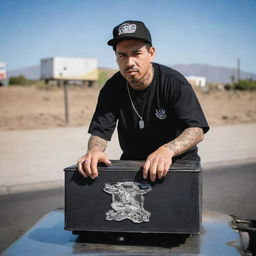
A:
<point x="127" y="201"/>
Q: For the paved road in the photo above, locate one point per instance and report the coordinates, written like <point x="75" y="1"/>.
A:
<point x="34" y="159"/>
<point x="229" y="189"/>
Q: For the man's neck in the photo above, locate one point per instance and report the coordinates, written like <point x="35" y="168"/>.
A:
<point x="145" y="81"/>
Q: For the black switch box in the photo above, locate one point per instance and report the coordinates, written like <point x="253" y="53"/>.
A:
<point x="120" y="200"/>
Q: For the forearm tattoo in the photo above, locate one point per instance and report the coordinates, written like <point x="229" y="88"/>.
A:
<point x="186" y="140"/>
<point x="97" y="142"/>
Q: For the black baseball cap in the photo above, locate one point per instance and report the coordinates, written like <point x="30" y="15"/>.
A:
<point x="130" y="29"/>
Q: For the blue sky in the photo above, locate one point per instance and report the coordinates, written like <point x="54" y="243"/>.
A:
<point x="183" y="31"/>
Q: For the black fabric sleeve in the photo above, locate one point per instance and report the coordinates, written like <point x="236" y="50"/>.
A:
<point x="104" y="119"/>
<point x="187" y="107"/>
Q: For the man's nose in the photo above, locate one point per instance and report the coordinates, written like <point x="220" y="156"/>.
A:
<point x="130" y="61"/>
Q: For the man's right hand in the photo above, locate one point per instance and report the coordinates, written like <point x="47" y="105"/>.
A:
<point x="87" y="164"/>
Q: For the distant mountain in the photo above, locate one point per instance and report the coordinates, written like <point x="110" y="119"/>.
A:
<point x="32" y="72"/>
<point x="212" y="74"/>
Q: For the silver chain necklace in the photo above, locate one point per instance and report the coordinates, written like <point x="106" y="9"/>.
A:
<point x="141" y="122"/>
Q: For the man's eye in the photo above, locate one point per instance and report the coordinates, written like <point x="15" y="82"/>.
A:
<point x="137" y="54"/>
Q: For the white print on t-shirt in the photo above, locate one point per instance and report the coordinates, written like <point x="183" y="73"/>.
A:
<point x="126" y="28"/>
<point x="161" y="114"/>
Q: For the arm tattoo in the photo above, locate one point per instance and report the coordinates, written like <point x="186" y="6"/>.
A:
<point x="186" y="140"/>
<point x="97" y="142"/>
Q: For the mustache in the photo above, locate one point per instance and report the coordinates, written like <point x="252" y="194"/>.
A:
<point x="131" y="69"/>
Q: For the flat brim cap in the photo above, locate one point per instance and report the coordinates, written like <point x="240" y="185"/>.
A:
<point x="130" y="29"/>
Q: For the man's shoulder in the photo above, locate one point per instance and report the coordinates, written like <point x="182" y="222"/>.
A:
<point x="114" y="84"/>
<point x="170" y="73"/>
<point x="117" y="77"/>
<point x="114" y="81"/>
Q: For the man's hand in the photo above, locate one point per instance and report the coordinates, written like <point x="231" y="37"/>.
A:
<point x="87" y="164"/>
<point x="158" y="163"/>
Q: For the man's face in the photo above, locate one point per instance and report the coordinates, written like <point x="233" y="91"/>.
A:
<point x="134" y="58"/>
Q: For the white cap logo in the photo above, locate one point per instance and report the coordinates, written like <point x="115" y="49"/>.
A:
<point x="126" y="28"/>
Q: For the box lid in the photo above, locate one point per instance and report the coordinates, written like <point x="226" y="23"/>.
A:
<point x="128" y="165"/>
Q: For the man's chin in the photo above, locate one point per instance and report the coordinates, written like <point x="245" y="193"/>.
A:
<point x="132" y="79"/>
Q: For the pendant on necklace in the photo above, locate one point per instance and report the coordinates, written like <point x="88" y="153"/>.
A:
<point x="141" y="124"/>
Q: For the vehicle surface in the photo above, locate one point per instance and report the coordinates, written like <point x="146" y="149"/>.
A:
<point x="220" y="235"/>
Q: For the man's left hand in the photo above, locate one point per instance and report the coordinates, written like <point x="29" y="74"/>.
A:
<point x="158" y="163"/>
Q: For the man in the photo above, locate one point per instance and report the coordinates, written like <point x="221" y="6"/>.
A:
<point x="159" y="117"/>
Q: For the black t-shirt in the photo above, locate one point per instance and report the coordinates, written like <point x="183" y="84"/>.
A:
<point x="168" y="106"/>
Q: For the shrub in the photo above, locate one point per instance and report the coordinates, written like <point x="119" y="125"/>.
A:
<point x="228" y="87"/>
<point x="248" y="84"/>
<point x="20" y="80"/>
<point x="103" y="77"/>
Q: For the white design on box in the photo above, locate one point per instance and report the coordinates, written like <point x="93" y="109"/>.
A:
<point x="127" y="201"/>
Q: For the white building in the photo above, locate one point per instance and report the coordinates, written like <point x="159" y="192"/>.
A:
<point x="69" y="69"/>
<point x="3" y="75"/>
<point x="197" y="80"/>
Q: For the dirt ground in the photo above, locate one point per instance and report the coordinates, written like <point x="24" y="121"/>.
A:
<point x="33" y="108"/>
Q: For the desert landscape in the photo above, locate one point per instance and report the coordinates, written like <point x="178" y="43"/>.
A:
<point x="31" y="107"/>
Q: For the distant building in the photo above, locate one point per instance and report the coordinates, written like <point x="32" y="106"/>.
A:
<point x="69" y="69"/>
<point x="3" y="76"/>
<point x="199" y="81"/>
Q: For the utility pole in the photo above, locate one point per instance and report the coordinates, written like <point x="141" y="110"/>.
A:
<point x="66" y="103"/>
<point x="238" y="70"/>
<point x="65" y="87"/>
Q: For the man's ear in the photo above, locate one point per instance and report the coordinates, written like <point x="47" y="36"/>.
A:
<point x="152" y="52"/>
